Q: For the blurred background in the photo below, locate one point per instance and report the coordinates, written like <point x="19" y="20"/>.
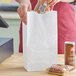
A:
<point x="8" y="10"/>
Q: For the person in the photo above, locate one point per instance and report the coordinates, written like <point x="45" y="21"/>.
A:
<point x="66" y="19"/>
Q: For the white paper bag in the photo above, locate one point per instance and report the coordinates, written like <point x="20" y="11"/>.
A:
<point x="40" y="41"/>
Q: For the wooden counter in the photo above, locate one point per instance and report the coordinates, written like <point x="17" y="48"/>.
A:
<point x="13" y="66"/>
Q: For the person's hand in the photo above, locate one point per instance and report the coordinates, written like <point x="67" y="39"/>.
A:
<point x="22" y="11"/>
<point x="52" y="2"/>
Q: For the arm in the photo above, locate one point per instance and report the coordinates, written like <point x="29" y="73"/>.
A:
<point x="22" y="1"/>
<point x="68" y="0"/>
<point x="53" y="2"/>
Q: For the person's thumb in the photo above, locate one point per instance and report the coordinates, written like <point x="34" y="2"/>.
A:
<point x="29" y="7"/>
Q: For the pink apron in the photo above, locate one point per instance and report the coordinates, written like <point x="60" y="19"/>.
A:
<point x="66" y="24"/>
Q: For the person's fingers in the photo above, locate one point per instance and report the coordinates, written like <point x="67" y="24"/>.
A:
<point x="22" y="11"/>
<point x="48" y="1"/>
<point x="29" y="7"/>
<point x="24" y="18"/>
<point x="20" y="14"/>
<point x="52" y="2"/>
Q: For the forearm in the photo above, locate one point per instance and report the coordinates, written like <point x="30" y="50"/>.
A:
<point x="22" y="1"/>
<point x="68" y="0"/>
